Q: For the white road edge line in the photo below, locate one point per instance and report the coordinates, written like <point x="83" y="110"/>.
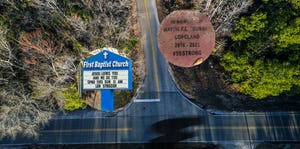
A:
<point x="146" y="100"/>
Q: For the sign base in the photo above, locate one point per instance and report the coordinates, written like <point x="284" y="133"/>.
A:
<point x="107" y="103"/>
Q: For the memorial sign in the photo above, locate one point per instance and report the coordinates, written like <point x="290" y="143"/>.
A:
<point x="186" y="38"/>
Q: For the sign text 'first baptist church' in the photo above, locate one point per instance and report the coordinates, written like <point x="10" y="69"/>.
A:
<point x="107" y="70"/>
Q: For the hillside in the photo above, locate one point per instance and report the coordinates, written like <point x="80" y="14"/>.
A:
<point x="41" y="45"/>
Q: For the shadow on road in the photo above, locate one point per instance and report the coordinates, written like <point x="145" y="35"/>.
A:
<point x="172" y="131"/>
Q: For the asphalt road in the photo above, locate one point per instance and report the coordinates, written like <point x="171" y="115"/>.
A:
<point x="160" y="113"/>
<point x="158" y="78"/>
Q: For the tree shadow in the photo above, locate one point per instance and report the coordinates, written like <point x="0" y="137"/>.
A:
<point x="172" y="129"/>
<point x="172" y="132"/>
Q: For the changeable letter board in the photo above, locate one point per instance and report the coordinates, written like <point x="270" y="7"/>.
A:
<point x="107" y="70"/>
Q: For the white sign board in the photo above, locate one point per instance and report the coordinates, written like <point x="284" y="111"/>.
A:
<point x="106" y="79"/>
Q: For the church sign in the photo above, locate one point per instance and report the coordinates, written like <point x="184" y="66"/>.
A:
<point x="107" y="70"/>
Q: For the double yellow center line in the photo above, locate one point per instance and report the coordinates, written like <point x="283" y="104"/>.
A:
<point x="85" y="130"/>
<point x="244" y="127"/>
<point x="152" y="48"/>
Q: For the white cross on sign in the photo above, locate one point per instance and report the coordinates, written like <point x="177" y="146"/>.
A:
<point x="105" y="55"/>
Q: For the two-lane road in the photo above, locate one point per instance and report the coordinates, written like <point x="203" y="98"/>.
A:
<point x="158" y="78"/>
<point x="159" y="94"/>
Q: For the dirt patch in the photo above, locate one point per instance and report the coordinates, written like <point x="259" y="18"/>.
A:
<point x="209" y="85"/>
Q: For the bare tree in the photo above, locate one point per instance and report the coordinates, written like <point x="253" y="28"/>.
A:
<point x="45" y="4"/>
<point x="7" y="59"/>
<point x="45" y="58"/>
<point x="20" y="114"/>
<point x="108" y="21"/>
<point x="36" y="48"/>
<point x="223" y="14"/>
<point x="48" y="71"/>
<point x="49" y="67"/>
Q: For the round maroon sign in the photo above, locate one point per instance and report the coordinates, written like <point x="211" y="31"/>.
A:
<point x="186" y="38"/>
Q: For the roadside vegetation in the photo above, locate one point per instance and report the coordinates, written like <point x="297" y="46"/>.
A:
<point x="41" y="44"/>
<point x="264" y="59"/>
<point x="256" y="54"/>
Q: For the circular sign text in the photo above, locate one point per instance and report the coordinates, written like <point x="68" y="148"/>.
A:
<point x="186" y="38"/>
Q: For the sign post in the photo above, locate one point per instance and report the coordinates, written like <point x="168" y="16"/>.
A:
<point x="107" y="103"/>
<point x="107" y="71"/>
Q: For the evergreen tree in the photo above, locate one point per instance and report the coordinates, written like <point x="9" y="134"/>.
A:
<point x="265" y="59"/>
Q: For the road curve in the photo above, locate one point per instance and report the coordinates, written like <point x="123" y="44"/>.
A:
<point x="159" y="94"/>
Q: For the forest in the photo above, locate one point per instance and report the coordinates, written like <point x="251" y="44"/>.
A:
<point x="257" y="45"/>
<point x="42" y="43"/>
<point x="264" y="59"/>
